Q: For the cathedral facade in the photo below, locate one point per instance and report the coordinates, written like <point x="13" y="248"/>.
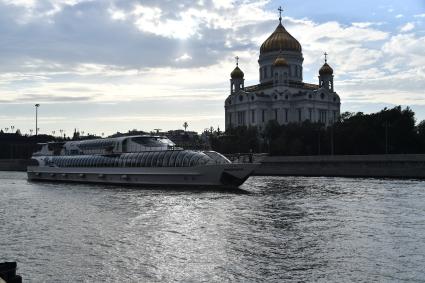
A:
<point x="281" y="94"/>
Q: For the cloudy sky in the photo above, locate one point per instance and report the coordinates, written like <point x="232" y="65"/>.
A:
<point x="114" y="65"/>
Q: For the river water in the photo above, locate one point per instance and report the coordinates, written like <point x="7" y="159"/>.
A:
<point x="275" y="229"/>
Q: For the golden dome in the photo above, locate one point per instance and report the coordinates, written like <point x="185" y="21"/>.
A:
<point x="237" y="73"/>
<point x="326" y="70"/>
<point x="280" y="39"/>
<point x="280" y="62"/>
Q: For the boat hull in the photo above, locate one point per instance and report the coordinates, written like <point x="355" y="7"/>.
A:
<point x="231" y="175"/>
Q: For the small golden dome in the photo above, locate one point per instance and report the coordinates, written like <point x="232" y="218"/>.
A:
<point x="237" y="73"/>
<point x="326" y="70"/>
<point x="280" y="39"/>
<point x="280" y="62"/>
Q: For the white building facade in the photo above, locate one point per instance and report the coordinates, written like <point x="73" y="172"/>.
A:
<point x="281" y="94"/>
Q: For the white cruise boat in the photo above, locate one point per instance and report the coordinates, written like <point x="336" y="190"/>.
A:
<point x="134" y="160"/>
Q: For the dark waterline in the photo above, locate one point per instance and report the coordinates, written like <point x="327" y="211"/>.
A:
<point x="274" y="229"/>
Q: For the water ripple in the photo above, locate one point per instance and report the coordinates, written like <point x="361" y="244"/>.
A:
<point x="275" y="229"/>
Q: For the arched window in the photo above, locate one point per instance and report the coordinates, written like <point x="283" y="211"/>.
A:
<point x="186" y="159"/>
<point x="120" y="161"/>
<point x="172" y="162"/>
<point x="83" y="161"/>
<point x="195" y="159"/>
<point x="142" y="162"/>
<point x="179" y="159"/>
<point x="166" y="159"/>
<point x="149" y="159"/>
<point x="117" y="162"/>
<point x="160" y="158"/>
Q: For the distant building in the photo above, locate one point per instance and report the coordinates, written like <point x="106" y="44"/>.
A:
<point x="281" y="94"/>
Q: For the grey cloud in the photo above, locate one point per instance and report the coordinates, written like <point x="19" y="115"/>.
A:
<point x="85" y="33"/>
<point x="29" y="98"/>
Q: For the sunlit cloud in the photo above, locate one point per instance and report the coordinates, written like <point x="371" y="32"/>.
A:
<point x="89" y="52"/>
<point x="407" y="27"/>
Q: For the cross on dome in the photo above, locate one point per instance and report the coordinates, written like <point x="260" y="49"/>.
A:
<point x="237" y="60"/>
<point x="326" y="57"/>
<point x="280" y="13"/>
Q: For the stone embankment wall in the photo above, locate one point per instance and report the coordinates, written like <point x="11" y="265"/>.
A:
<point x="14" y="164"/>
<point x="393" y="166"/>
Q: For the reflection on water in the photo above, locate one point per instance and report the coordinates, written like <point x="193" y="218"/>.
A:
<point x="274" y="229"/>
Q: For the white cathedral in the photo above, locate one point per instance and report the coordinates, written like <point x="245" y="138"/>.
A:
<point x="281" y="94"/>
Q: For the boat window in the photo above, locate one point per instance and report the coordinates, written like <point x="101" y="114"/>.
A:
<point x="142" y="159"/>
<point x="95" y="161"/>
<point x="195" y="157"/>
<point x="92" y="161"/>
<point x="80" y="161"/>
<point x="166" y="158"/>
<point x="186" y="158"/>
<point x="154" y="159"/>
<point x="172" y="161"/>
<point x="203" y="160"/>
<point x="132" y="160"/>
<point x="124" y="160"/>
<point x="121" y="160"/>
<point x="105" y="161"/>
<point x="217" y="158"/>
<point x="167" y="142"/>
<point x="148" y="159"/>
<point x="116" y="162"/>
<point x="160" y="158"/>
<point x="111" y="161"/>
<point x="179" y="159"/>
<point x="101" y="161"/>
<point x="152" y="141"/>
<point x="128" y="160"/>
<point x="135" y="159"/>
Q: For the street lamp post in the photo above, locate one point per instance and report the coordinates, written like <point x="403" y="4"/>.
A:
<point x="36" y="118"/>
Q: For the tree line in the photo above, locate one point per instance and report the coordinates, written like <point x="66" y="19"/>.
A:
<point x="390" y="131"/>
